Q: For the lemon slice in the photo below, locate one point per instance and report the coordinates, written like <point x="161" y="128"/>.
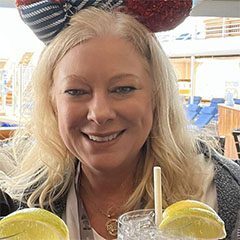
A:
<point x="33" y="223"/>
<point x="186" y="204"/>
<point x="192" y="219"/>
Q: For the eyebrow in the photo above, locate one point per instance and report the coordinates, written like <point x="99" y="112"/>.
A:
<point x="115" y="78"/>
<point x="121" y="76"/>
<point x="74" y="77"/>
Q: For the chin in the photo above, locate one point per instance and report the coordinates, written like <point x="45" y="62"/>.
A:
<point x="105" y="166"/>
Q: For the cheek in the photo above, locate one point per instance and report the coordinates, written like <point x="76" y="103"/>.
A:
<point x="70" y="121"/>
<point x="68" y="115"/>
<point x="62" y="114"/>
<point x="63" y="122"/>
<point x="68" y="125"/>
<point x="147" y="119"/>
<point x="140" y="114"/>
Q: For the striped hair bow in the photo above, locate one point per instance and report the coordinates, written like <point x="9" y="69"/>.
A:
<point x="47" y="18"/>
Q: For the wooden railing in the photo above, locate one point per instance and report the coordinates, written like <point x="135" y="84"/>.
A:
<point x="222" y="27"/>
<point x="210" y="28"/>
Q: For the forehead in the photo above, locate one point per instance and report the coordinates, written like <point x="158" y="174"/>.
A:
<point x="105" y="53"/>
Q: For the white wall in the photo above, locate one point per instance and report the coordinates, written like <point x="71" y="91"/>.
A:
<point x="215" y="77"/>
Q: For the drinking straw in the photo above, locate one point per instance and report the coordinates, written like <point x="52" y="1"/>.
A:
<point x="157" y="195"/>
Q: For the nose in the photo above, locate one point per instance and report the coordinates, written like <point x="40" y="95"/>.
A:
<point x="100" y="109"/>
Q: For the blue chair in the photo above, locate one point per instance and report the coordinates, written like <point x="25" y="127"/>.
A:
<point x="236" y="101"/>
<point x="192" y="111"/>
<point x="215" y="101"/>
<point x="4" y="124"/>
<point x="196" y="100"/>
<point x="205" y="116"/>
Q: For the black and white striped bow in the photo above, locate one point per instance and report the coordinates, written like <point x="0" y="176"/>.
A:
<point x="47" y="18"/>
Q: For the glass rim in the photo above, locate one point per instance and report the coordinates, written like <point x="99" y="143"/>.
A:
<point x="145" y="210"/>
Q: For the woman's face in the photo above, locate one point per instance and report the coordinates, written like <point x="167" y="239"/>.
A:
<point x="103" y="103"/>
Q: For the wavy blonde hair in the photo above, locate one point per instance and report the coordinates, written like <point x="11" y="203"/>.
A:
<point x="42" y="159"/>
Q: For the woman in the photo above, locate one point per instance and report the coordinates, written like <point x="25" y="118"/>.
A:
<point x="106" y="110"/>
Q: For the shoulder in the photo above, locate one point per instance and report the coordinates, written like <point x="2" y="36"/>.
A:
<point x="8" y="205"/>
<point x="224" y="167"/>
<point x="227" y="181"/>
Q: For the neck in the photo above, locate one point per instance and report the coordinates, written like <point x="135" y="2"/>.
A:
<point x="104" y="195"/>
<point x="107" y="185"/>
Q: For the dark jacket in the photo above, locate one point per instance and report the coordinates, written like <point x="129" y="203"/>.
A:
<point x="227" y="180"/>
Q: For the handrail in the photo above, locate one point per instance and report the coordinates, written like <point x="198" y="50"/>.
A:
<point x="213" y="28"/>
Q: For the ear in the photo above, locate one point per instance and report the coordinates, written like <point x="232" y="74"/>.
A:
<point x="159" y="15"/>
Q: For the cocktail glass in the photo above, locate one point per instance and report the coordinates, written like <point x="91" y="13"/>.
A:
<point x="140" y="225"/>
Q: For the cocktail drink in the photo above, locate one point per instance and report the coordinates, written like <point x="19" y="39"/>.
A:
<point x="183" y="220"/>
<point x="140" y="225"/>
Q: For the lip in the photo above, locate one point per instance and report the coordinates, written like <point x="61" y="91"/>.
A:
<point x="102" y="134"/>
<point x="119" y="133"/>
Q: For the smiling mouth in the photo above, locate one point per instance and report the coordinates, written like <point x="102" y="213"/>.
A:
<point x="107" y="138"/>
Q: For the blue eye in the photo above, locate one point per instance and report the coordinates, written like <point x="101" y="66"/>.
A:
<point x="76" y="92"/>
<point x="124" y="90"/>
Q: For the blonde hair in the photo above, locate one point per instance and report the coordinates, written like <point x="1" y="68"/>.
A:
<point x="43" y="161"/>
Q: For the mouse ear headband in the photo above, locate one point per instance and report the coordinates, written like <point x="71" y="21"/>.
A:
<point x="47" y="18"/>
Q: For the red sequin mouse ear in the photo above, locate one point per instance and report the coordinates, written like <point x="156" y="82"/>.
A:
<point x="159" y="15"/>
<point x="48" y="17"/>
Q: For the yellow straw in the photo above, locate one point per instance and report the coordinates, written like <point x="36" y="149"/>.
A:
<point x="157" y="195"/>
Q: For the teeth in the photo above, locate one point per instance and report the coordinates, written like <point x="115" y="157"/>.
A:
<point x="103" y="139"/>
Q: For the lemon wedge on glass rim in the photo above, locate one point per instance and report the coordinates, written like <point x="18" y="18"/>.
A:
<point x="33" y="223"/>
<point x="194" y="219"/>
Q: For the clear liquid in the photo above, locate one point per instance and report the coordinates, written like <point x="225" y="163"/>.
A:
<point x="140" y="225"/>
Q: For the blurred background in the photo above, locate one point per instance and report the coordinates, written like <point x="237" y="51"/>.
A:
<point x="204" y="51"/>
